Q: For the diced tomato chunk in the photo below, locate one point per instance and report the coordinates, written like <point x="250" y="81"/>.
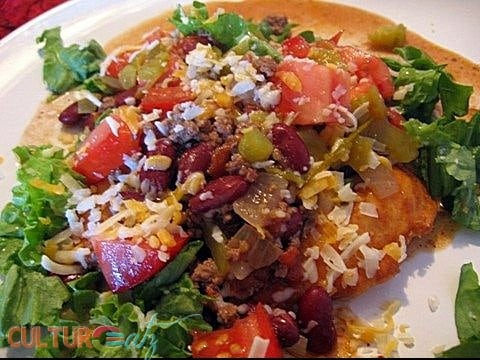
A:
<point x="117" y="64"/>
<point x="367" y="92"/>
<point x="164" y="98"/>
<point x="395" y="118"/>
<point x="103" y="150"/>
<point x="154" y="35"/>
<point x="125" y="264"/>
<point x="309" y="88"/>
<point x="371" y="67"/>
<point x="252" y="336"/>
<point x="296" y="46"/>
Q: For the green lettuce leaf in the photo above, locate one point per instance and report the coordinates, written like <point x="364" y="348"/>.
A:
<point x="30" y="298"/>
<point x="467" y="315"/>
<point x="9" y="248"/>
<point x="36" y="212"/>
<point x="431" y="84"/>
<point x="191" y="23"/>
<point x="164" y="332"/>
<point x="67" y="67"/>
<point x="467" y="304"/>
<point x="148" y="292"/>
<point x="228" y="30"/>
<point x="268" y="34"/>
<point x="449" y="162"/>
<point x="181" y="299"/>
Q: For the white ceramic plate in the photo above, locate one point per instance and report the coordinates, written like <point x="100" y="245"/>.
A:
<point x="453" y="24"/>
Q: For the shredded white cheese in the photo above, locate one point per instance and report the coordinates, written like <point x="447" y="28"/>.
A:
<point x="113" y="124"/>
<point x="259" y="347"/>
<point x="368" y="209"/>
<point x="283" y="295"/>
<point x="433" y="303"/>
<point x="332" y="258"/>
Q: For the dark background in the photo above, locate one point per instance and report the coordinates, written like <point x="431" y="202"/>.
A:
<point x="14" y="13"/>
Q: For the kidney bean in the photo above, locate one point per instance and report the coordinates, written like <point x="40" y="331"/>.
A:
<point x="129" y="93"/>
<point x="158" y="178"/>
<point x="291" y="146"/>
<point x="321" y="339"/>
<point x="218" y="192"/>
<point x="70" y="115"/>
<point x="316" y="306"/>
<point x="132" y="194"/>
<point x="196" y="158"/>
<point x="286" y="329"/>
<point x="166" y="147"/>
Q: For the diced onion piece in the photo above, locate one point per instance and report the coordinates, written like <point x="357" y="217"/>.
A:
<point x="262" y="197"/>
<point x="261" y="252"/>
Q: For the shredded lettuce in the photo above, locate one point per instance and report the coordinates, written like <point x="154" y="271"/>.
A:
<point x="467" y="315"/>
<point x="448" y="158"/>
<point x="67" y="67"/>
<point x="168" y="334"/>
<point x="30" y="298"/>
<point x="431" y="83"/>
<point x="449" y="163"/>
<point x="229" y="30"/>
<point x="163" y="329"/>
<point x="39" y="201"/>
<point x="148" y="293"/>
<point x="162" y="332"/>
<point x="9" y="248"/>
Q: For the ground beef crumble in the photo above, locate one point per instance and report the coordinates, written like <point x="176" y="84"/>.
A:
<point x="238" y="165"/>
<point x="207" y="272"/>
<point x="265" y="65"/>
<point x="277" y="23"/>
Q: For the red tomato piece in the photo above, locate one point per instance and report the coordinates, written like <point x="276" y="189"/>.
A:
<point x="395" y="118"/>
<point x="103" y="151"/>
<point x="367" y="91"/>
<point x="336" y="38"/>
<point x="125" y="264"/>
<point x="309" y="88"/>
<point x="156" y="34"/>
<point x="164" y="98"/>
<point x="237" y="341"/>
<point x="371" y="67"/>
<point x="296" y="46"/>
<point x="117" y="64"/>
